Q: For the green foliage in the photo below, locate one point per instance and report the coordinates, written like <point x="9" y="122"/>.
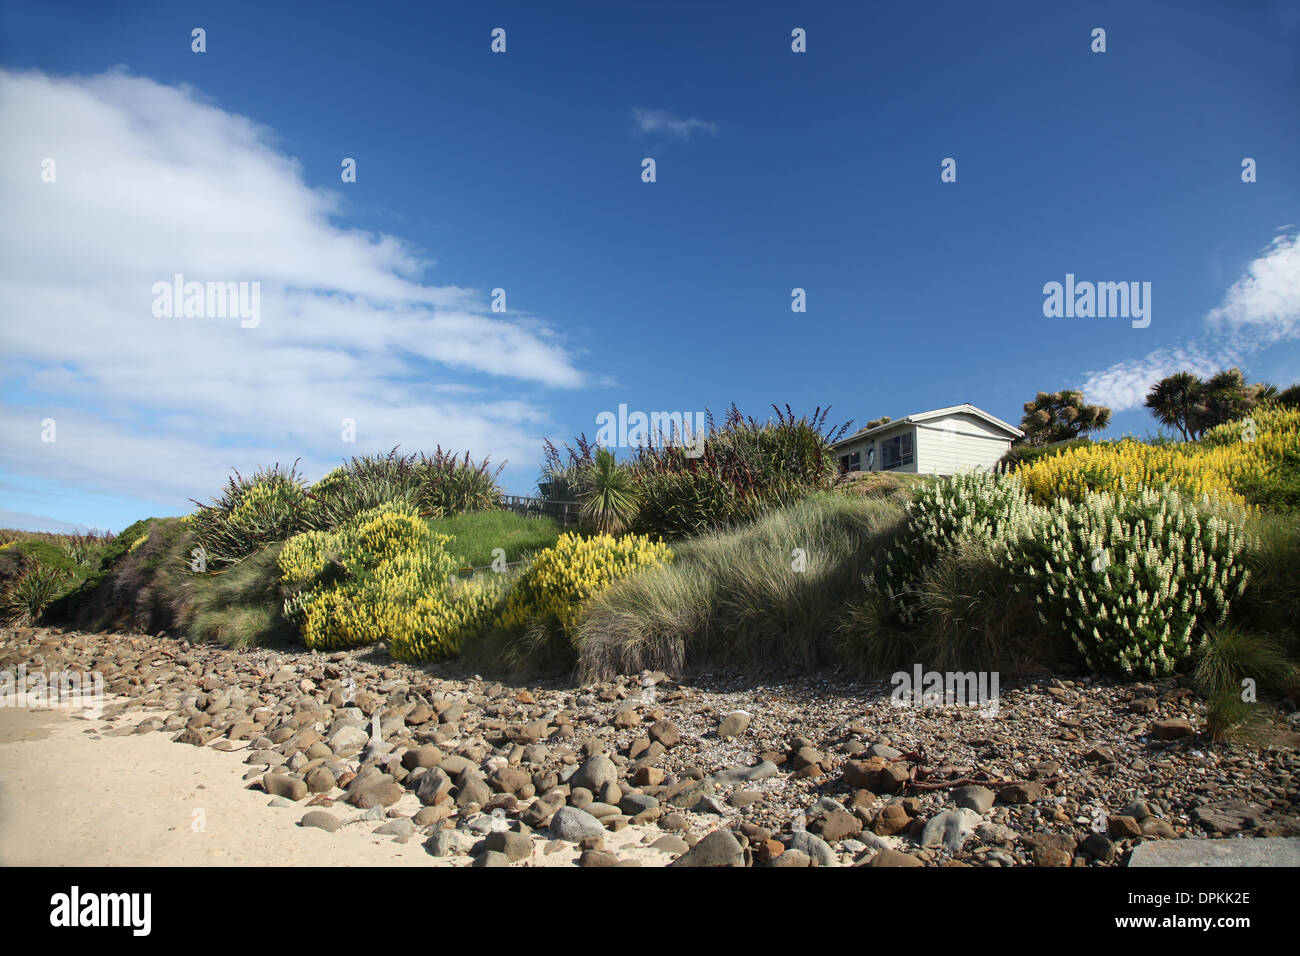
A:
<point x="360" y="484"/>
<point x="382" y="576"/>
<point x="973" y="506"/>
<point x="1271" y="604"/>
<point x="1061" y="416"/>
<point x="550" y="597"/>
<point x="25" y="598"/>
<point x="1230" y="655"/>
<point x="1025" y="454"/>
<point x="610" y="503"/>
<point x="252" y="513"/>
<point x="1131" y="577"/>
<point x="452" y="485"/>
<point x="746" y="467"/>
<point x="736" y="597"/>
<point x="1276" y="488"/>
<point x="1193" y="406"/>
<point x="238" y="607"/>
<point x="475" y="535"/>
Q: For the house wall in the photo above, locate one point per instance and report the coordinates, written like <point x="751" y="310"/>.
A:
<point x="958" y="442"/>
<point x="861" y="448"/>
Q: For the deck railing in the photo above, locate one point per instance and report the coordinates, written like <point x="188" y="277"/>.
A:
<point x="565" y="512"/>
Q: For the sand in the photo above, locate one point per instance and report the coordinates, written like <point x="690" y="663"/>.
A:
<point x="72" y="797"/>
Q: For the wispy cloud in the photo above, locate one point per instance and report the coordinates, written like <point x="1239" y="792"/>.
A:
<point x="1260" y="309"/>
<point x="152" y="180"/>
<point x="662" y="121"/>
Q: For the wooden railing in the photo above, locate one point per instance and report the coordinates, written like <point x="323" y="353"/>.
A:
<point x="565" y="512"/>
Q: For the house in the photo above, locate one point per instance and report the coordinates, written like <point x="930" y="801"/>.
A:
<point x="941" y="442"/>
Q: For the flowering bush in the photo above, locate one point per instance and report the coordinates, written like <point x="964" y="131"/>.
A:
<point x="1227" y="461"/>
<point x="552" y="591"/>
<point x="250" y="514"/>
<point x="382" y="576"/>
<point x="994" y="509"/>
<point x="1131" y="575"/>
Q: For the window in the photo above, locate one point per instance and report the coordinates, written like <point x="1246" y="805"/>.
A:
<point x="897" y="451"/>
<point x="850" y="462"/>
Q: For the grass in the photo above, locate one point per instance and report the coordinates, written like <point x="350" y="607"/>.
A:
<point x="1271" y="604"/>
<point x="238" y="607"/>
<point x="768" y="594"/>
<point x="478" y="533"/>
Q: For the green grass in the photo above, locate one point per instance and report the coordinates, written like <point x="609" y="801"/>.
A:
<point x="736" y="596"/>
<point x="478" y="533"/>
<point x="238" y="607"/>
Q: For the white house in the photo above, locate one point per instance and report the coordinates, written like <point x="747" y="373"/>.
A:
<point x="941" y="442"/>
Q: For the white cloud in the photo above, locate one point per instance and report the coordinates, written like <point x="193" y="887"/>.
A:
<point x="661" y="121"/>
<point x="153" y="180"/>
<point x="1260" y="309"/>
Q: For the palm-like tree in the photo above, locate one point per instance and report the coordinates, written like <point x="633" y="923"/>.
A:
<point x="1175" y="401"/>
<point x="611" y="500"/>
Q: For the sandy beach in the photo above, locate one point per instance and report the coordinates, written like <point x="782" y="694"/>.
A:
<point x="71" y="796"/>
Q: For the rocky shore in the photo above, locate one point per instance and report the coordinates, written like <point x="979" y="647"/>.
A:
<point x="717" y="771"/>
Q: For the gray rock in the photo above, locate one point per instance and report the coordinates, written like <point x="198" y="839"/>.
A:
<point x="442" y="843"/>
<point x="491" y="858"/>
<point x="433" y="783"/>
<point x="348" y="740"/>
<point x="398" y="827"/>
<point x="572" y="824"/>
<point x="977" y="798"/>
<point x="320" y="820"/>
<point x="634" y="803"/>
<point x="950" y="828"/>
<point x="744" y="774"/>
<point x="719" y="848"/>
<point x="595" y="774"/>
<point x="733" y="724"/>
<point x="1254" y="851"/>
<point x="817" y="849"/>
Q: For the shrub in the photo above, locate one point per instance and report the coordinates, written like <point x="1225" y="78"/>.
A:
<point x="745" y="467"/>
<point x="250" y="514"/>
<point x="549" y="597"/>
<point x="382" y="576"/>
<point x="1271" y="604"/>
<point x="26" y="597"/>
<point x="1130" y="576"/>
<point x="452" y="485"/>
<point x="610" y="503"/>
<point x="1022" y="453"/>
<point x="360" y="484"/>
<point x="238" y="607"/>
<point x="140" y="584"/>
<point x="994" y="510"/>
<point x="735" y="596"/>
<point x="1250" y="461"/>
<point x="1230" y="655"/>
<point x="446" y="619"/>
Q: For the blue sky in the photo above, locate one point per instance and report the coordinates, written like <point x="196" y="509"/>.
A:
<point x="522" y="171"/>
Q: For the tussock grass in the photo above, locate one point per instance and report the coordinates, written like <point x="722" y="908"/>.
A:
<point x="735" y="596"/>
<point x="974" y="614"/>
<point x="1271" y="602"/>
<point x="239" y="607"/>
